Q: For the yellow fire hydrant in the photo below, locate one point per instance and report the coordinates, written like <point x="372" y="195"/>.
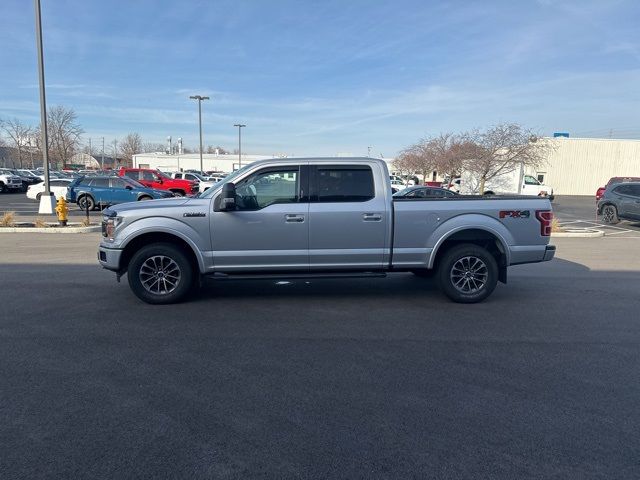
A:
<point x="62" y="210"/>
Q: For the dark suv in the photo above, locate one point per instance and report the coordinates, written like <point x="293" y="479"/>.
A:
<point x="620" y="202"/>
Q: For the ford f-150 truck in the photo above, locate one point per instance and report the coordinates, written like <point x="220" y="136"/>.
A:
<point x="321" y="217"/>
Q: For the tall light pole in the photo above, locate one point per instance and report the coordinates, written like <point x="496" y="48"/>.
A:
<point x="368" y="151"/>
<point x="46" y="200"/>
<point x="239" y="125"/>
<point x="200" y="98"/>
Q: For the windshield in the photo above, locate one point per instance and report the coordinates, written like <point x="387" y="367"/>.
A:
<point x="229" y="178"/>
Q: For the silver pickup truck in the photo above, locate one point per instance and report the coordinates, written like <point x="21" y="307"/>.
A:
<point x="321" y="217"/>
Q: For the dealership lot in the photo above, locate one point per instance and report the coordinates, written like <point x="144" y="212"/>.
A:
<point x="336" y="378"/>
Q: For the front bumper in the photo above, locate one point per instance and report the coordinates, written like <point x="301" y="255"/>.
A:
<point x="109" y="258"/>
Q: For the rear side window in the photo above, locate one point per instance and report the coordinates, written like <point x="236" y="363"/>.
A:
<point x="349" y="183"/>
<point x="634" y="190"/>
<point x="100" y="182"/>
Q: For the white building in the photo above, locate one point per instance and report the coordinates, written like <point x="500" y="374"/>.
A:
<point x="578" y="166"/>
<point x="191" y="161"/>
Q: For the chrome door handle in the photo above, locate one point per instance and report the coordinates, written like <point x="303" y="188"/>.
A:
<point x="292" y="218"/>
<point x="371" y="217"/>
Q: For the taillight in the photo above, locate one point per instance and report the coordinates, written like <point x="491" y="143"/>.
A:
<point x="545" y="217"/>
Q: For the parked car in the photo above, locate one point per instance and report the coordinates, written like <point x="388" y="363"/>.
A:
<point x="425" y="192"/>
<point x="9" y="182"/>
<point x="620" y="202"/>
<point x="27" y="178"/>
<point x="160" y="181"/>
<point x="316" y="218"/>
<point x="614" y="181"/>
<point x="58" y="187"/>
<point x="93" y="191"/>
<point x="203" y="183"/>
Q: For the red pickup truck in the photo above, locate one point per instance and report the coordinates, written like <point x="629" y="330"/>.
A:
<point x="158" y="180"/>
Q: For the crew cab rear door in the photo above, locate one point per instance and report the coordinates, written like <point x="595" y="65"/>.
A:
<point x="347" y="217"/>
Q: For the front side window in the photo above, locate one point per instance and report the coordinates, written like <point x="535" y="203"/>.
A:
<point x="135" y="174"/>
<point x="148" y="176"/>
<point x="178" y="175"/>
<point x="529" y="180"/>
<point x="118" y="183"/>
<point x="268" y="187"/>
<point x="349" y="183"/>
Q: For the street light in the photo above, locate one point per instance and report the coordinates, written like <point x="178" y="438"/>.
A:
<point x="47" y="201"/>
<point x="200" y="98"/>
<point x="239" y="125"/>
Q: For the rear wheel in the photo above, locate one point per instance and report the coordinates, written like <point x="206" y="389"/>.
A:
<point x="160" y="273"/>
<point x="467" y="273"/>
<point x="610" y="214"/>
<point x="144" y="197"/>
<point x="86" y="202"/>
<point x="178" y="193"/>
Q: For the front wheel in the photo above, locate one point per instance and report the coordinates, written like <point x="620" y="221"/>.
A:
<point x="467" y="273"/>
<point x="610" y="214"/>
<point x="178" y="193"/>
<point x="160" y="273"/>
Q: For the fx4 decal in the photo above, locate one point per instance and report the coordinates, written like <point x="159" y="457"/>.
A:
<point x="515" y="213"/>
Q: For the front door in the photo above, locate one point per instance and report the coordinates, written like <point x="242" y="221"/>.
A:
<point x="347" y="220"/>
<point x="269" y="230"/>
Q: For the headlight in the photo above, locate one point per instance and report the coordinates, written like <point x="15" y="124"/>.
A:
<point x="109" y="226"/>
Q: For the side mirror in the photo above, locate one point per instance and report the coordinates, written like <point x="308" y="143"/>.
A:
<point x="159" y="180"/>
<point x="227" y="198"/>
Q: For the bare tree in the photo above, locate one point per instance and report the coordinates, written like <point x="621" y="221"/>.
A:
<point x="501" y="150"/>
<point x="63" y="134"/>
<point x="131" y="145"/>
<point x="151" y="147"/>
<point x="219" y="149"/>
<point x="19" y="135"/>
<point x="418" y="158"/>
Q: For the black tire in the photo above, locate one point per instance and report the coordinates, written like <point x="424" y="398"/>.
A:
<point x="85" y="200"/>
<point x="178" y="193"/>
<point x="3" y="188"/>
<point x="610" y="214"/>
<point x="144" y="197"/>
<point x="424" y="272"/>
<point x="167" y="259"/>
<point x="462" y="278"/>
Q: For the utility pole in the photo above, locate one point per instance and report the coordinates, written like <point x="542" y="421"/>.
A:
<point x="90" y="157"/>
<point x="102" y="158"/>
<point x="115" y="152"/>
<point x="200" y="98"/>
<point x="239" y="125"/>
<point x="46" y="199"/>
<point x="369" y="151"/>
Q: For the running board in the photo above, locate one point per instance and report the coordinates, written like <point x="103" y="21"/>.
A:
<point x="293" y="276"/>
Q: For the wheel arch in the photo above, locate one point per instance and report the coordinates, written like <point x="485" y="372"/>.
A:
<point x="483" y="236"/>
<point x="136" y="243"/>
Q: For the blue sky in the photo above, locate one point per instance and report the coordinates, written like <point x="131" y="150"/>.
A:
<point x="327" y="77"/>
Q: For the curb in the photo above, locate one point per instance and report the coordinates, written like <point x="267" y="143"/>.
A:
<point x="579" y="233"/>
<point x="94" y="228"/>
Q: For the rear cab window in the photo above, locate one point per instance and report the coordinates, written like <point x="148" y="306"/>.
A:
<point x="342" y="183"/>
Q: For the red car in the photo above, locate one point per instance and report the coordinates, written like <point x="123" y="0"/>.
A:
<point x="158" y="180"/>
<point x="613" y="181"/>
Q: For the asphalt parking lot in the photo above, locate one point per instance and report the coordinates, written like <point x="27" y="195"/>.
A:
<point x="371" y="378"/>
